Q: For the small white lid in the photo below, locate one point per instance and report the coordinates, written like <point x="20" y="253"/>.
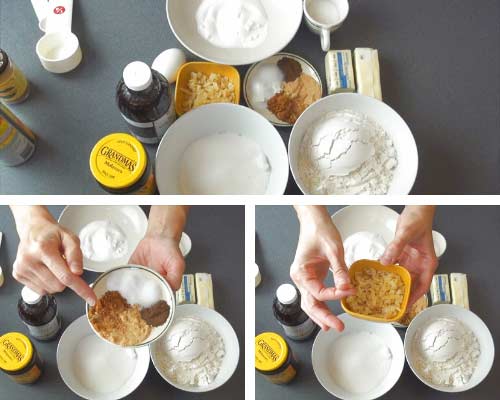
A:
<point x="286" y="294"/>
<point x="29" y="296"/>
<point x="185" y="244"/>
<point x="137" y="76"/>
<point x="258" y="277"/>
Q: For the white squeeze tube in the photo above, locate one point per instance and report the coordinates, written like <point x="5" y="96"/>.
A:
<point x="59" y="16"/>
<point x="41" y="8"/>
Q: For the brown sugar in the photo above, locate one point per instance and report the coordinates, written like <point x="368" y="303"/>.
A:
<point x="117" y="321"/>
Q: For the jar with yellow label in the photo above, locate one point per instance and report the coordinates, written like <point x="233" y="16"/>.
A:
<point x="19" y="358"/>
<point x="14" y="87"/>
<point x="274" y="359"/>
<point x="120" y="164"/>
<point x="17" y="141"/>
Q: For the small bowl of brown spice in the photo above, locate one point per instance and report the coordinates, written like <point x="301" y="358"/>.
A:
<point x="135" y="306"/>
<point x="281" y="87"/>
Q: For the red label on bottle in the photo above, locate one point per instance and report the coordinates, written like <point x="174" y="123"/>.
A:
<point x="59" y="10"/>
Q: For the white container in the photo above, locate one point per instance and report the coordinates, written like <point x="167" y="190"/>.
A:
<point x="216" y="118"/>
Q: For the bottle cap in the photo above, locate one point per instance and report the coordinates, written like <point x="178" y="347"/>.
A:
<point x="18" y="351"/>
<point x="137" y="76"/>
<point x="271" y="351"/>
<point x="286" y="294"/>
<point x="29" y="296"/>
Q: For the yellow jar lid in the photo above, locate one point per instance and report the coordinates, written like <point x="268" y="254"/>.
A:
<point x="118" y="161"/>
<point x="271" y="351"/>
<point x="16" y="351"/>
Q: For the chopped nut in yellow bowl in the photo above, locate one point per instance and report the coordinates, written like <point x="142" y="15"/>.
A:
<point x="382" y="291"/>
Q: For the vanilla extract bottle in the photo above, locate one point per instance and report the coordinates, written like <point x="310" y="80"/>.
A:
<point x="286" y="308"/>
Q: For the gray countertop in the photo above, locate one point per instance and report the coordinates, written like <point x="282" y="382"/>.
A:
<point x="439" y="61"/>
<point x="473" y="235"/>
<point x="208" y="227"/>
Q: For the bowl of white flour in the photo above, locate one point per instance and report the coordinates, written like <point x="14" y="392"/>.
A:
<point x="352" y="144"/>
<point x="222" y="149"/>
<point x="199" y="352"/>
<point x="108" y="234"/>
<point x="234" y="32"/>
<point x="449" y="348"/>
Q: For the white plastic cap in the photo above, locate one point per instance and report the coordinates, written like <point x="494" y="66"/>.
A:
<point x="29" y="296"/>
<point x="286" y="294"/>
<point x="137" y="76"/>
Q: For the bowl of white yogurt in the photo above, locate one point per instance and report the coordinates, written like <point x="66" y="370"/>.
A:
<point x="222" y="149"/>
<point x="449" y="348"/>
<point x="234" y="32"/>
<point x="199" y="352"/>
<point x="363" y="362"/>
<point x="348" y="144"/>
<point x="108" y="234"/>
<point x="97" y="370"/>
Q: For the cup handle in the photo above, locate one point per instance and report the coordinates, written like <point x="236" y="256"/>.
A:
<point x="59" y="16"/>
<point x="325" y="39"/>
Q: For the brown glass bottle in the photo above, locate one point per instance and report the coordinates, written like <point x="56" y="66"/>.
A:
<point x="286" y="308"/>
<point x="39" y="314"/>
<point x="144" y="98"/>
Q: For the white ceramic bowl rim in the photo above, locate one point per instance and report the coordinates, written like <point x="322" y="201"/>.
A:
<point x="171" y="304"/>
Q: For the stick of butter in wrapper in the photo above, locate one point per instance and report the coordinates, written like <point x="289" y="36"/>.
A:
<point x="440" y="289"/>
<point x="187" y="292"/>
<point x="204" y="290"/>
<point x="368" y="72"/>
<point x="459" y="290"/>
<point x="339" y="72"/>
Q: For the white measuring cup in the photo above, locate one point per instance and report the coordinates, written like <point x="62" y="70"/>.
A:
<point x="59" y="49"/>
<point x="41" y="7"/>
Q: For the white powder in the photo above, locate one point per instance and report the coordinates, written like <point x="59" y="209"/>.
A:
<point x="103" y="240"/>
<point x="224" y="163"/>
<point x="446" y="352"/>
<point x="363" y="246"/>
<point x="360" y="361"/>
<point x="135" y="287"/>
<point x="346" y="152"/>
<point x="232" y="23"/>
<point x="191" y="353"/>
<point x="102" y="367"/>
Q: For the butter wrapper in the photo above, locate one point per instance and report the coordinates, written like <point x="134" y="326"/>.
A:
<point x="459" y="290"/>
<point x="204" y="290"/>
<point x="187" y="292"/>
<point x="339" y="72"/>
<point x="368" y="72"/>
<point x="440" y="289"/>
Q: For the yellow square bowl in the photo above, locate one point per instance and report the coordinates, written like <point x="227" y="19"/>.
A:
<point x="400" y="271"/>
<point x="184" y="74"/>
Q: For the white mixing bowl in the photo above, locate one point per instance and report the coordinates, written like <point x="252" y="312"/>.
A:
<point x="217" y="118"/>
<point x="404" y="143"/>
<point x="284" y="18"/>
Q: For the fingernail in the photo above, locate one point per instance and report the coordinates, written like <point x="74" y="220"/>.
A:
<point x="91" y="302"/>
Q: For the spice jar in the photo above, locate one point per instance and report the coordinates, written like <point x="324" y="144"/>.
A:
<point x="120" y="164"/>
<point x="17" y="142"/>
<point x="274" y="358"/>
<point x="286" y="308"/>
<point x="14" y="87"/>
<point x="39" y="314"/>
<point x="19" y="358"/>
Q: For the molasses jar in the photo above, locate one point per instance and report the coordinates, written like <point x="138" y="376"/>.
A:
<point x="274" y="358"/>
<point x="286" y="308"/>
<point x="19" y="358"/>
<point x="39" y="314"/>
<point x="145" y="102"/>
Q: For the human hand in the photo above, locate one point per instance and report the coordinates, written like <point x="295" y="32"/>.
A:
<point x="413" y="248"/>
<point x="163" y="255"/>
<point x="319" y="249"/>
<point x="49" y="258"/>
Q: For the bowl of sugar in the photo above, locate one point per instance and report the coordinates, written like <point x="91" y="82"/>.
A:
<point x="363" y="362"/>
<point x="222" y="149"/>
<point x="97" y="370"/>
<point x="199" y="352"/>
<point x="135" y="306"/>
